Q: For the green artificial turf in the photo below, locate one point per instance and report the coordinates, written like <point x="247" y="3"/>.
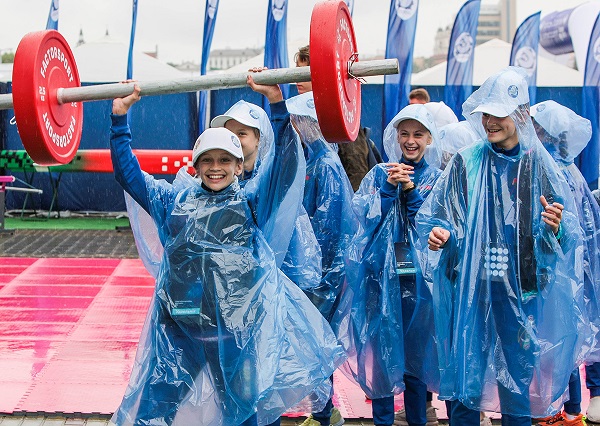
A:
<point x="104" y="222"/>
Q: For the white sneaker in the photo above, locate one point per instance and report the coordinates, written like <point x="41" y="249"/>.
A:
<point x="593" y="410"/>
<point x="400" y="417"/>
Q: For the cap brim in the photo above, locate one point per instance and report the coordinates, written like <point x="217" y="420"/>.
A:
<point x="492" y="109"/>
<point x="401" y="119"/>
<point x="210" y="148"/>
<point x="220" y="120"/>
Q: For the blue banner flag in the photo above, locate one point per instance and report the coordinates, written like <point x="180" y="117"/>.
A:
<point x="461" y="52"/>
<point x="589" y="157"/>
<point x="52" y="23"/>
<point x="524" y="52"/>
<point x="210" y="18"/>
<point x="276" y="53"/>
<point x="132" y="38"/>
<point x="402" y="25"/>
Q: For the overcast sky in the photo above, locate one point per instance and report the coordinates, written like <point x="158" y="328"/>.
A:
<point x="175" y="26"/>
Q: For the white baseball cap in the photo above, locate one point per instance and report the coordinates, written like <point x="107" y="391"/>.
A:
<point x="303" y="104"/>
<point x="507" y="90"/>
<point x="217" y="138"/>
<point x="420" y="113"/>
<point x="242" y="112"/>
<point x="442" y="113"/>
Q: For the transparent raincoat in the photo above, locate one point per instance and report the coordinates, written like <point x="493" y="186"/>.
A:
<point x="565" y="134"/>
<point x="296" y="249"/>
<point x="227" y="334"/>
<point x="507" y="291"/>
<point x="295" y="241"/>
<point x="390" y="330"/>
<point x="454" y="137"/>
<point x="327" y="200"/>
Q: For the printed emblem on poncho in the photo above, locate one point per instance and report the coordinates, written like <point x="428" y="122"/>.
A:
<point x="253" y="114"/>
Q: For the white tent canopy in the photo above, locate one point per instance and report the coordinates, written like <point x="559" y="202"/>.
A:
<point x="494" y="55"/>
<point x="105" y="61"/>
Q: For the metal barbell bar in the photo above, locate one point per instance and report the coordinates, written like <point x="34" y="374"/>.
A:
<point x="110" y="91"/>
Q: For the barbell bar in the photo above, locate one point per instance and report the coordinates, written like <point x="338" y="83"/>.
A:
<point x="110" y="91"/>
<point x="47" y="96"/>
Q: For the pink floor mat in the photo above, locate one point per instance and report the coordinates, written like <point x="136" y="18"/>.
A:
<point x="69" y="330"/>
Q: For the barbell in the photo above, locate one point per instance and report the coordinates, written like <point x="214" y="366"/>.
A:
<point x="47" y="96"/>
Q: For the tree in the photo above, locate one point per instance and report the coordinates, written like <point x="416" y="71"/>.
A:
<point x="8" y="57"/>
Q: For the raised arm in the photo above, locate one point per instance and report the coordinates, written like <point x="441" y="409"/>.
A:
<point x="125" y="165"/>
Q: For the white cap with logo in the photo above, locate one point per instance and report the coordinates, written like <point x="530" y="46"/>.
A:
<point x="507" y="91"/>
<point x="242" y="112"/>
<point x="217" y="138"/>
<point x="442" y="113"/>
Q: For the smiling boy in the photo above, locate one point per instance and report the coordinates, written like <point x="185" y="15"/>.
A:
<point x="504" y="241"/>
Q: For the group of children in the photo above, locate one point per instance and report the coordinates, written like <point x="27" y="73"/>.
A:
<point x="466" y="265"/>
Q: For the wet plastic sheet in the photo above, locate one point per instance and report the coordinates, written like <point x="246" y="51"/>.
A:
<point x="327" y="201"/>
<point x="390" y="330"/>
<point x="564" y="134"/>
<point x="228" y="334"/>
<point x="508" y="294"/>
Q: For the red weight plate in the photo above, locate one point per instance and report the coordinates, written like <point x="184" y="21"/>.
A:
<point x="50" y="132"/>
<point x="336" y="94"/>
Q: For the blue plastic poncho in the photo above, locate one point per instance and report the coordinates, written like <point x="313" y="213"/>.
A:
<point x="508" y="320"/>
<point x="565" y="134"/>
<point x="294" y="243"/>
<point x="327" y="201"/>
<point x="228" y="335"/>
<point x="442" y="114"/>
<point x="391" y="326"/>
<point x="454" y="137"/>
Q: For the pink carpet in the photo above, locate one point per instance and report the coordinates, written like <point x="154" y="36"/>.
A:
<point x="69" y="330"/>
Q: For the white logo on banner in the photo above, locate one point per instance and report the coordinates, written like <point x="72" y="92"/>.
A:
<point x="212" y="8"/>
<point x="405" y="9"/>
<point x="54" y="10"/>
<point x="278" y="9"/>
<point x="525" y="58"/>
<point x="463" y="47"/>
<point x="597" y="50"/>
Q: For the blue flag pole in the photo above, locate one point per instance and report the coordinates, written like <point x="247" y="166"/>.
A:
<point x="524" y="51"/>
<point x="210" y="18"/>
<point x="131" y="40"/>
<point x="589" y="157"/>
<point x="52" y="23"/>
<point x="461" y="53"/>
<point x="276" y="53"/>
<point x="402" y="25"/>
